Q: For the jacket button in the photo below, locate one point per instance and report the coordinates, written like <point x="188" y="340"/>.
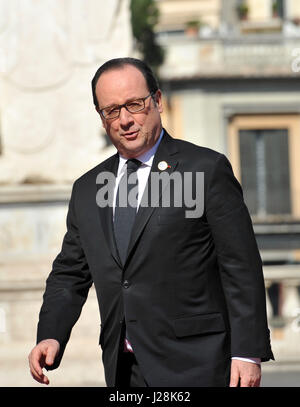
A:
<point x="126" y="284"/>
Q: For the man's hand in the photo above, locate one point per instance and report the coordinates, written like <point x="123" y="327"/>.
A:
<point x="41" y="355"/>
<point x="246" y="373"/>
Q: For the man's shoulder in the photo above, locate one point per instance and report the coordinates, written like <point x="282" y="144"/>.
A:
<point x="91" y="175"/>
<point x="196" y="153"/>
<point x="189" y="146"/>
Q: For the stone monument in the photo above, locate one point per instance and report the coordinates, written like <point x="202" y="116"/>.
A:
<point x="50" y="134"/>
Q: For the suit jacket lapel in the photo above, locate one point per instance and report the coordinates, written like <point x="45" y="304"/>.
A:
<point x="106" y="213"/>
<point x="166" y="152"/>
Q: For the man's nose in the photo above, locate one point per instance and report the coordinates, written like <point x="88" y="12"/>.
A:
<point x="125" y="117"/>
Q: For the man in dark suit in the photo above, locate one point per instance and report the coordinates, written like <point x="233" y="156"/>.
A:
<point x="180" y="287"/>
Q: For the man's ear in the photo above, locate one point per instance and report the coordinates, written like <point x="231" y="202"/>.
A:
<point x="158" y="100"/>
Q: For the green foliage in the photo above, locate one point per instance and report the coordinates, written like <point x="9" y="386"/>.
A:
<point x="144" y="17"/>
<point x="275" y="6"/>
<point x="193" y="24"/>
<point x="242" y="10"/>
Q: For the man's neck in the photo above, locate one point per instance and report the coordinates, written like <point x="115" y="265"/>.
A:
<point x="145" y="156"/>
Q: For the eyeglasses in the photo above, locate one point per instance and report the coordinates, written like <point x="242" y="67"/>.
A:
<point x="134" y="106"/>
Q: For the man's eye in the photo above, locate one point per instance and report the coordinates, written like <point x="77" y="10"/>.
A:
<point x="135" y="104"/>
<point x="112" y="110"/>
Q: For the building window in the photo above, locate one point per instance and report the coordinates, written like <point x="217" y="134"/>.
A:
<point x="278" y="7"/>
<point x="265" y="176"/>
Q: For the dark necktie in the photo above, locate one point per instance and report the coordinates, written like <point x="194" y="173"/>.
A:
<point x="125" y="209"/>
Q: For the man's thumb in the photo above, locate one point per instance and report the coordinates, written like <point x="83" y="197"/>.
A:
<point x="50" y="357"/>
<point x="234" y="378"/>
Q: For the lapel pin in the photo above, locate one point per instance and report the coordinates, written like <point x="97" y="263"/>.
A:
<point x="163" y="165"/>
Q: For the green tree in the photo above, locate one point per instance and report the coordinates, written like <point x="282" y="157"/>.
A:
<point x="144" y="17"/>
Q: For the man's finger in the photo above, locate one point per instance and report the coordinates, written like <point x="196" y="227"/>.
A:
<point x="42" y="354"/>
<point x="245" y="382"/>
<point x="234" y="377"/>
<point x="257" y="382"/>
<point x="40" y="378"/>
<point x="45" y="379"/>
<point x="248" y="373"/>
<point x="37" y="373"/>
<point x="35" y="369"/>
<point x="34" y="362"/>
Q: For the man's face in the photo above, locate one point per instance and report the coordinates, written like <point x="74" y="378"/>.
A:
<point x="131" y="133"/>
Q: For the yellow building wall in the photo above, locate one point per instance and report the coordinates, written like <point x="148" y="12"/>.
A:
<point x="172" y="116"/>
<point x="293" y="8"/>
<point x="259" y="10"/>
<point x="174" y="12"/>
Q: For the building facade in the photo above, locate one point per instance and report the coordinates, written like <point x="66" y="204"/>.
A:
<point x="232" y="83"/>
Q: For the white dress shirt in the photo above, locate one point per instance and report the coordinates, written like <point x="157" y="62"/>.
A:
<point x="142" y="174"/>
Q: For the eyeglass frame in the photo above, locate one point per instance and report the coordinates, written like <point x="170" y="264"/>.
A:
<point x="119" y="107"/>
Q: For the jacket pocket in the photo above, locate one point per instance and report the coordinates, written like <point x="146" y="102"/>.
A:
<point x="198" y="325"/>
<point x="174" y="219"/>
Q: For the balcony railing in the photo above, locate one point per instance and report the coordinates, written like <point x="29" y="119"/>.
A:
<point x="267" y="55"/>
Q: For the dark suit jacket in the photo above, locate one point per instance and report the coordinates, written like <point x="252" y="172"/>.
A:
<point x="191" y="291"/>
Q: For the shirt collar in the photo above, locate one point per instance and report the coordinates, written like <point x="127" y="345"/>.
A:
<point x="146" y="158"/>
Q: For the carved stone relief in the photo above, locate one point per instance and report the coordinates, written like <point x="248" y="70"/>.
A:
<point x="49" y="52"/>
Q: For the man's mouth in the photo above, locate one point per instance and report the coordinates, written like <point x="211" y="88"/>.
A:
<point x="130" y="135"/>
